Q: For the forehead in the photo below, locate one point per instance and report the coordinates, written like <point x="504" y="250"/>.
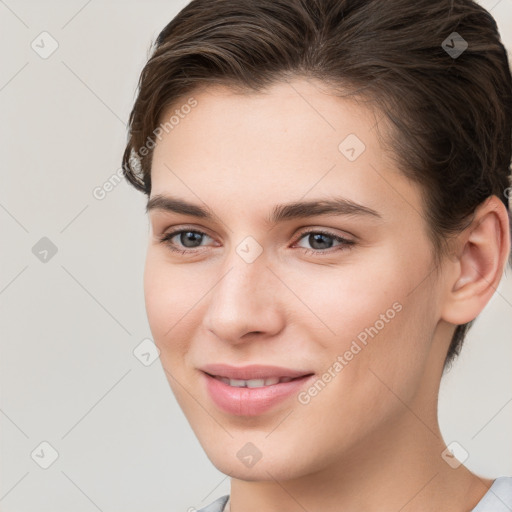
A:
<point x="293" y="140"/>
<point x="297" y="111"/>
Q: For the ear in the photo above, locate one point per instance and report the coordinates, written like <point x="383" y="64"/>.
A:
<point x="475" y="272"/>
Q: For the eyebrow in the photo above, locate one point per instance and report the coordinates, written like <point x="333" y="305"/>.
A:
<point x="280" y="212"/>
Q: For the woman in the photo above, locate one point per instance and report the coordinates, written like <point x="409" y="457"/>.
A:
<point x="328" y="186"/>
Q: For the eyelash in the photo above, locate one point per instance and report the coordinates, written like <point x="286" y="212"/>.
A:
<point x="345" y="244"/>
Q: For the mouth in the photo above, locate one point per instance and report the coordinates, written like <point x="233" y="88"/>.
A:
<point x="254" y="383"/>
<point x="252" y="390"/>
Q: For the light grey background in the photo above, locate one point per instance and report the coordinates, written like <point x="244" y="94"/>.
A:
<point x="69" y="326"/>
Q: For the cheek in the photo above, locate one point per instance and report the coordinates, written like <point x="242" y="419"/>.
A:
<point x="377" y="354"/>
<point x="345" y="301"/>
<point x="368" y="314"/>
<point x="170" y="295"/>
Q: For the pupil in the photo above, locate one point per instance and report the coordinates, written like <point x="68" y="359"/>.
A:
<point x="190" y="236"/>
<point x="317" y="237"/>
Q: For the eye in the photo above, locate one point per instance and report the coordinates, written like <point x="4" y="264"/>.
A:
<point x="323" y="240"/>
<point x="186" y="238"/>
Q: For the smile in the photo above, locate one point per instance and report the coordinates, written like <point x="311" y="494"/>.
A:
<point x="252" y="383"/>
<point x="253" y="396"/>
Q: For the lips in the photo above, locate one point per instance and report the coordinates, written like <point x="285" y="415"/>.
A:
<point x="254" y="389"/>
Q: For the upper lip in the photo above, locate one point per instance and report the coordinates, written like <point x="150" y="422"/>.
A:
<point x="253" y="371"/>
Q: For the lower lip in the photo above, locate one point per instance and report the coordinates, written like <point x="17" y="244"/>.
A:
<point x="251" y="401"/>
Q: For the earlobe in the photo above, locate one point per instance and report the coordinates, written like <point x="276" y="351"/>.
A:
<point x="479" y="267"/>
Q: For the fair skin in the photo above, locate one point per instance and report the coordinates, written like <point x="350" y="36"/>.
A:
<point x="370" y="439"/>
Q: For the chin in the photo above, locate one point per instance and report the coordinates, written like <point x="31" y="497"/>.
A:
<point x="258" y="461"/>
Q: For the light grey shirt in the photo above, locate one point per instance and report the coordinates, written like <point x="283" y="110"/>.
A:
<point x="497" y="499"/>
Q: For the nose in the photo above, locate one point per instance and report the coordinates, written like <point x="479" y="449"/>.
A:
<point x="245" y="303"/>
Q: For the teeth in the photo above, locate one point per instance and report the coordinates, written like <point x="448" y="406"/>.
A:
<point x="268" y="382"/>
<point x="253" y="383"/>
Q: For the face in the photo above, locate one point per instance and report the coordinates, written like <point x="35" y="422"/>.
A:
<point x="338" y="295"/>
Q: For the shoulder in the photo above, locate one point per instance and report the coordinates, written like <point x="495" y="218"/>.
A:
<point x="498" y="498"/>
<point x="218" y="505"/>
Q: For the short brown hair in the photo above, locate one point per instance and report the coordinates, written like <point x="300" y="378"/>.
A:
<point x="450" y="113"/>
